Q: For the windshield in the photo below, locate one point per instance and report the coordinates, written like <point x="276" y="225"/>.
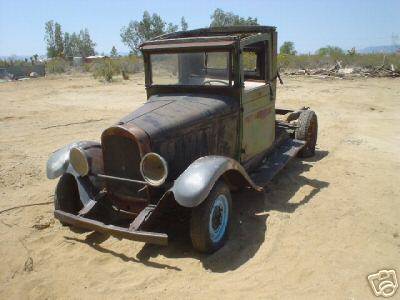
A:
<point x="197" y="68"/>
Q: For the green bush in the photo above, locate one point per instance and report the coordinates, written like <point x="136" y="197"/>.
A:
<point x="131" y="64"/>
<point x="57" y="65"/>
<point x="106" y="68"/>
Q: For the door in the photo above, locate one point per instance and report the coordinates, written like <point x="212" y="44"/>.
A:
<point x="258" y="119"/>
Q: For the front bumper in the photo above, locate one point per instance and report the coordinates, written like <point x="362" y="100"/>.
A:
<point x="119" y="232"/>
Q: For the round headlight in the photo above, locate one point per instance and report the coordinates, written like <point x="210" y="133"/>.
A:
<point x="154" y="169"/>
<point x="78" y="160"/>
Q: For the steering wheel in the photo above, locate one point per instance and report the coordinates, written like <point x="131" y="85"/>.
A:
<point x="215" y="80"/>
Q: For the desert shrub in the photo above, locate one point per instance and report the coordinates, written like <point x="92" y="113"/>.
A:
<point x="106" y="68"/>
<point x="131" y="64"/>
<point x="57" y="65"/>
<point x="287" y="48"/>
<point x="88" y="67"/>
<point x="125" y="75"/>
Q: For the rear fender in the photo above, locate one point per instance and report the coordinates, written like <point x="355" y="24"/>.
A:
<point x="192" y="187"/>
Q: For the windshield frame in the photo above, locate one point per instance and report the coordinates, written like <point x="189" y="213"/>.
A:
<point x="148" y="68"/>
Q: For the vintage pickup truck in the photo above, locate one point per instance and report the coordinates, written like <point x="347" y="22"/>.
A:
<point x="208" y="127"/>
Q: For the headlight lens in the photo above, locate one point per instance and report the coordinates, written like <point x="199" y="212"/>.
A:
<point x="154" y="169"/>
<point x="79" y="161"/>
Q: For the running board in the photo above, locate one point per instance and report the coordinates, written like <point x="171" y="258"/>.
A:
<point x="276" y="160"/>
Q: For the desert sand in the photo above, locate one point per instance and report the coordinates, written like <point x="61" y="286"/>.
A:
<point x="320" y="228"/>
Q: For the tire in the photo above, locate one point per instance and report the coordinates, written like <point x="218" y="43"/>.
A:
<point x="308" y="132"/>
<point x="66" y="196"/>
<point x="210" y="221"/>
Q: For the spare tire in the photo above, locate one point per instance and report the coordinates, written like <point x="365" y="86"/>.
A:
<point x="308" y="132"/>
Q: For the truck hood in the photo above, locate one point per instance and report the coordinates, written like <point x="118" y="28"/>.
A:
<point x="162" y="115"/>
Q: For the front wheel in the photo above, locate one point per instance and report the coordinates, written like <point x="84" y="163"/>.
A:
<point x="210" y="221"/>
<point x="66" y="196"/>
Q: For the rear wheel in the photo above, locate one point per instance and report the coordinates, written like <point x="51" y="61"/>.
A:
<point x="308" y="132"/>
<point x="210" y="221"/>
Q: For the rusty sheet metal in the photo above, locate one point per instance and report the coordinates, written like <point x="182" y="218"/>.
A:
<point x="130" y="131"/>
<point x="276" y="160"/>
<point x="216" y="31"/>
<point x="258" y="122"/>
<point x="183" y="128"/>
<point x="123" y="147"/>
<point x="120" y="232"/>
<point x="200" y="45"/>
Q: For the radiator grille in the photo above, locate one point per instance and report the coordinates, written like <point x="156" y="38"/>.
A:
<point x="122" y="159"/>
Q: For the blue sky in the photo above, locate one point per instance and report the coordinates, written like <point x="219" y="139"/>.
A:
<point x="310" y="24"/>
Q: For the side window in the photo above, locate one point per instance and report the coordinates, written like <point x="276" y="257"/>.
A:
<point x="253" y="61"/>
<point x="250" y="61"/>
<point x="217" y="60"/>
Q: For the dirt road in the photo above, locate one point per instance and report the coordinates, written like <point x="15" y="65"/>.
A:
<point x="323" y="225"/>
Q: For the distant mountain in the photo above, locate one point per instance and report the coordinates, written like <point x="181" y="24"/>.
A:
<point x="380" y="49"/>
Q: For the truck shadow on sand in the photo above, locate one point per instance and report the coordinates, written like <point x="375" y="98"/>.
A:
<point x="249" y="219"/>
<point x="249" y="222"/>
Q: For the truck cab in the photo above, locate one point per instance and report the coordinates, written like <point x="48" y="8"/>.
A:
<point x="236" y="62"/>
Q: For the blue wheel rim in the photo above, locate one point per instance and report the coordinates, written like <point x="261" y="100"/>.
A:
<point x="218" y="218"/>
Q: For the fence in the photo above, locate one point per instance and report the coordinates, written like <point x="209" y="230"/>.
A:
<point x="24" y="71"/>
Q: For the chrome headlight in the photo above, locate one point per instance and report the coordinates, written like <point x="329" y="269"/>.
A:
<point x="79" y="161"/>
<point x="154" y="169"/>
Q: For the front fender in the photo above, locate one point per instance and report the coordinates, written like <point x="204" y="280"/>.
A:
<point x="192" y="187"/>
<point x="58" y="162"/>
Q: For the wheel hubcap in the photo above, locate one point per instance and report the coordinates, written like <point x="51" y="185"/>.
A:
<point x="218" y="218"/>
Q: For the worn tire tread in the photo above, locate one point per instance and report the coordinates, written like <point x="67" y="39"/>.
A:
<point x="199" y="220"/>
<point x="305" y="119"/>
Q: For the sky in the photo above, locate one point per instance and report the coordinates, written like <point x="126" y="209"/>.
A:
<point x="310" y="24"/>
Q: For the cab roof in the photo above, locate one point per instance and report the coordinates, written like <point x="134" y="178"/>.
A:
<point x="238" y="31"/>
<point x="210" y="37"/>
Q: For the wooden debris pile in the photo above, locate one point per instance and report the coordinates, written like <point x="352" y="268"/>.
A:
<point x="337" y="71"/>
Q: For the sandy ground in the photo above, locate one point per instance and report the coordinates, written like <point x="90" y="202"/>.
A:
<point x="323" y="225"/>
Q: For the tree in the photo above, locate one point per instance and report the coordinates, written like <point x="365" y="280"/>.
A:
<point x="113" y="52"/>
<point x="49" y="38"/>
<point x="58" y="40"/>
<point x="67" y="45"/>
<point x="86" y="44"/>
<point x="332" y="51"/>
<point x="171" y="28"/>
<point x="221" y="18"/>
<point x="149" y="27"/>
<point x="54" y="39"/>
<point x="34" y="59"/>
<point x="74" y="44"/>
<point x="184" y="24"/>
<point x="287" y="48"/>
